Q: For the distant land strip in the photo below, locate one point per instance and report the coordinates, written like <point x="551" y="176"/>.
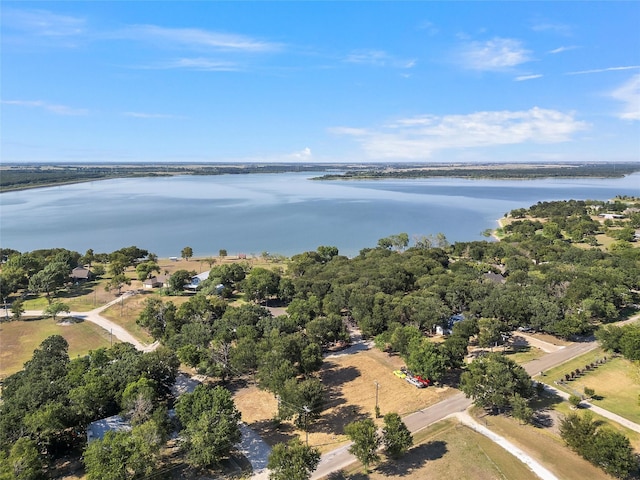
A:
<point x="22" y="176"/>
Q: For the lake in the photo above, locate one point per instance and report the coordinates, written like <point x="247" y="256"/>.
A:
<point x="282" y="213"/>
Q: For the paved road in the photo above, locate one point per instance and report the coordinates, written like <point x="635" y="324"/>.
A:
<point x="116" y="330"/>
<point x="340" y="458"/>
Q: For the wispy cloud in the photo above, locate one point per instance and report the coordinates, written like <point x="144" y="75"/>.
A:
<point x="49" y="107"/>
<point x="562" y="49"/>
<point x="554" y="27"/>
<point x="419" y="137"/>
<point x="601" y="70"/>
<point x="42" y="23"/>
<point x="493" y="55"/>
<point x="522" y="78"/>
<point x="150" y="115"/>
<point x="378" y="58"/>
<point x="196" y="38"/>
<point x="198" y="63"/>
<point x="629" y="95"/>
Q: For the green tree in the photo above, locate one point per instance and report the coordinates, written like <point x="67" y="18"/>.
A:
<point x="23" y="462"/>
<point x="145" y="269"/>
<point x="395" y="435"/>
<point x="179" y="279"/>
<point x="56" y="308"/>
<point x="426" y="359"/>
<point x="493" y="380"/>
<point x="260" y="284"/>
<point x="292" y="461"/>
<point x="520" y="409"/>
<point x="117" y="282"/>
<point x="365" y="438"/>
<point x="186" y="253"/>
<point x="17" y="309"/>
<point x="222" y="253"/>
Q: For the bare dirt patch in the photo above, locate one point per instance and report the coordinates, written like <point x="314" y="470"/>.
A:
<point x="351" y="385"/>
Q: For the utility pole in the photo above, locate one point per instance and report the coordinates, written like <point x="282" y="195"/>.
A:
<point x="377" y="407"/>
<point x="306" y="426"/>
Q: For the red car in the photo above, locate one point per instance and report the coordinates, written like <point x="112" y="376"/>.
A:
<point x="425" y="381"/>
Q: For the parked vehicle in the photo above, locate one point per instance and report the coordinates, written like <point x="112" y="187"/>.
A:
<point x="424" y="381"/>
<point x="415" y="382"/>
<point x="399" y="373"/>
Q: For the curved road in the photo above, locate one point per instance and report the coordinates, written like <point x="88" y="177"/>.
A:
<point x="94" y="316"/>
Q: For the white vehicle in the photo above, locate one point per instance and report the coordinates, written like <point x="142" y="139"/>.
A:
<point x="414" y="382"/>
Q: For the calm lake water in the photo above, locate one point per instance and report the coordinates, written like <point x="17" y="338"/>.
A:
<point x="277" y="213"/>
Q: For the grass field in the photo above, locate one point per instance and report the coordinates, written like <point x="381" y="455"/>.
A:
<point x="447" y="450"/>
<point x="544" y="445"/>
<point x="616" y="383"/>
<point x="18" y="340"/>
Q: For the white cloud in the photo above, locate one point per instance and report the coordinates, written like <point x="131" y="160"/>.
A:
<point x="42" y="23"/>
<point x="602" y="70"/>
<point x="629" y="95"/>
<point x="304" y="154"/>
<point x="197" y="63"/>
<point x="419" y="137"/>
<point x="493" y="55"/>
<point x="522" y="78"/>
<point x="50" y="107"/>
<point x="562" y="49"/>
<point x="559" y="28"/>
<point x="378" y="58"/>
<point x="196" y="38"/>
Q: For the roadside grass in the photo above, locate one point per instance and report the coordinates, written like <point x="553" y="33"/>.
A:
<point x="616" y="383"/>
<point x="20" y="339"/>
<point x="634" y="437"/>
<point x="543" y="445"/>
<point x="558" y="373"/>
<point x="523" y="353"/>
<point x="125" y="314"/>
<point x="446" y="450"/>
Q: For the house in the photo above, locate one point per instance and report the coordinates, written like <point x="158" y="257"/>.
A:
<point x="610" y="216"/>
<point x="448" y="328"/>
<point x="98" y="429"/>
<point x="197" y="280"/>
<point x="156" y="282"/>
<point x="81" y="274"/>
<point x="494" y="277"/>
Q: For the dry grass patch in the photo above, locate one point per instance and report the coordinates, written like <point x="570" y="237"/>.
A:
<point x="350" y="382"/>
<point x="448" y="450"/>
<point x="18" y="340"/>
<point x="546" y="447"/>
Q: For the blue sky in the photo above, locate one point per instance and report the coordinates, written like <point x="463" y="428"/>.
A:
<point x="320" y="81"/>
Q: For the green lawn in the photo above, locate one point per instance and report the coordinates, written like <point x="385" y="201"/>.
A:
<point x="616" y="383"/>
<point x="81" y="298"/>
<point x="447" y="450"/>
<point x="18" y="340"/>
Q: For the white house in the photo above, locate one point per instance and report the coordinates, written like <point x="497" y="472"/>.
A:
<point x="197" y="280"/>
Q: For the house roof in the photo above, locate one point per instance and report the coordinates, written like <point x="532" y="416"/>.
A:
<point x="494" y="277"/>
<point x="98" y="429"/>
<point x="80" y="272"/>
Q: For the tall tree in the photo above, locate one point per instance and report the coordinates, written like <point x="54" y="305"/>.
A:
<point x="292" y="461"/>
<point x="55" y="309"/>
<point x="395" y="435"/>
<point x="493" y="380"/>
<point x="365" y="438"/>
<point x="187" y="253"/>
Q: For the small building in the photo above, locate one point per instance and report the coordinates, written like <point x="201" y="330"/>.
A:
<point x="450" y="322"/>
<point x="197" y="280"/>
<point x="494" y="277"/>
<point x="156" y="282"/>
<point x="98" y="429"/>
<point x="81" y="274"/>
<point x="610" y="216"/>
